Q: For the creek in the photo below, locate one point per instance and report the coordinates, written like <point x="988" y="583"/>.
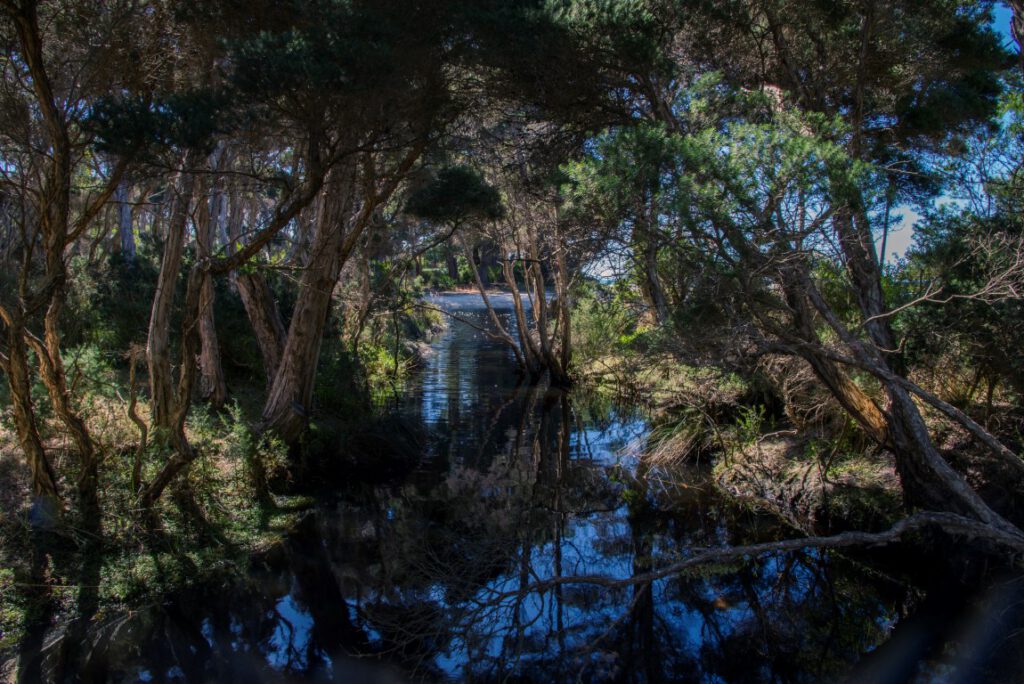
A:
<point x="446" y="571"/>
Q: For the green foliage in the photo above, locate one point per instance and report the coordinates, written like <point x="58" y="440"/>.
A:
<point x="456" y="195"/>
<point x="628" y="29"/>
<point x="600" y="325"/>
<point x="750" y="425"/>
<point x="109" y="302"/>
<point x="143" y="124"/>
<point x="465" y="272"/>
<point x="437" y="279"/>
<point x="12" y="611"/>
<point x="341" y="385"/>
<point x="262" y="457"/>
<point x="331" y="47"/>
<point x="958" y="256"/>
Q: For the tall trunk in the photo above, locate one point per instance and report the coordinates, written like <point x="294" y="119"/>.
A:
<point x="564" y="313"/>
<point x="927" y="479"/>
<point x="303" y="239"/>
<point x="158" y="346"/>
<point x="54" y="212"/>
<point x="645" y="246"/>
<point x="290" y="399"/>
<point x="265" y="319"/>
<point x="212" y="386"/>
<point x="257" y="298"/>
<point x="125" y="230"/>
<point x="173" y="434"/>
<point x="865" y="271"/>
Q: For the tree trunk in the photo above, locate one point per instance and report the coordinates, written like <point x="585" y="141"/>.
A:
<point x="478" y="258"/>
<point x="1017" y="29"/>
<point x="645" y="243"/>
<point x="16" y="368"/>
<point x="452" y="263"/>
<point x="258" y="299"/>
<point x="54" y="215"/>
<point x="51" y="367"/>
<point x="290" y="399"/>
<point x="533" y="365"/>
<point x="158" y="347"/>
<point x="564" y="314"/>
<point x="174" y="430"/>
<point x="125" y="230"/>
<point x="522" y="358"/>
<point x="652" y="287"/>
<point x="540" y="313"/>
<point x="339" y="226"/>
<point x="212" y="386"/>
<point x="265" y="319"/>
<point x="927" y="480"/>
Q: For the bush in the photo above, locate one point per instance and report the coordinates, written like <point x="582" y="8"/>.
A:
<point x="601" y="325"/>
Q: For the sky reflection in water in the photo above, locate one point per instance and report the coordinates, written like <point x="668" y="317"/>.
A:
<point x="432" y="578"/>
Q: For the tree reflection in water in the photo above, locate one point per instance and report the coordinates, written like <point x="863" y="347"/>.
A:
<point x="449" y="573"/>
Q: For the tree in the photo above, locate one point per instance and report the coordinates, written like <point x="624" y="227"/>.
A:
<point x="58" y="195"/>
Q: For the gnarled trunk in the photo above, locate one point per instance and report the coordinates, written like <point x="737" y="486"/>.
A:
<point x="16" y="368"/>
<point x="341" y="221"/>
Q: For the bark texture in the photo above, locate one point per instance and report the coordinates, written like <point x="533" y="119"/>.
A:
<point x="290" y="399"/>
<point x="212" y="386"/>
<point x="158" y="346"/>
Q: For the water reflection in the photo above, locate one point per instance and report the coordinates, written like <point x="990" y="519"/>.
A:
<point x="454" y="573"/>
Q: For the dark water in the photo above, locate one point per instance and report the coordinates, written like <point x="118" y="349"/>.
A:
<point x="446" y="573"/>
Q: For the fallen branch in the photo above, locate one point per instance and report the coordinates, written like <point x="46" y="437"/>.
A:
<point x="947" y="522"/>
